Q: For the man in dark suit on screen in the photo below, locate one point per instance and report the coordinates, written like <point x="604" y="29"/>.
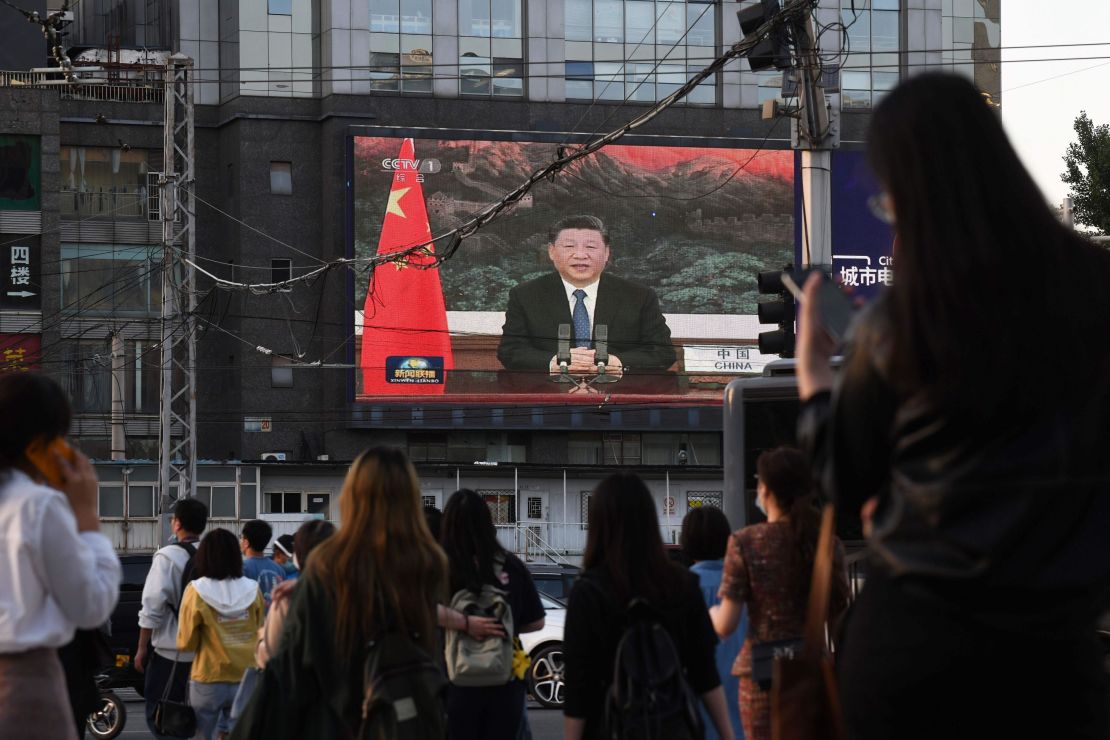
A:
<point x="581" y="295"/>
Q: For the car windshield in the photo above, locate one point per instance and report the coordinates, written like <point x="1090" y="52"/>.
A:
<point x="551" y="603"/>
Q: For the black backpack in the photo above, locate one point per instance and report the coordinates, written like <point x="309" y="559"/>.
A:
<point x="650" y="696"/>
<point x="188" y="573"/>
<point x="404" y="691"/>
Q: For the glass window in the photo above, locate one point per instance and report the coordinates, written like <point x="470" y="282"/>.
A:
<point x="706" y="92"/>
<point x="318" y="503"/>
<point x="506" y="19"/>
<point x="283" y="502"/>
<point x="105" y="181"/>
<point x="223" y="502"/>
<point x="204" y="495"/>
<point x="281" y="373"/>
<point x="385" y="16"/>
<point x="280" y="7"/>
<point x="700" y="21"/>
<point x="248" y="506"/>
<point x="578" y="15"/>
<point x="671" y="24"/>
<point x="508" y="76"/>
<point x="281" y="270"/>
<point x="640" y="22"/>
<point x="281" y="178"/>
<point x="385" y="71"/>
<point x="609" y="20"/>
<point x="140" y="501"/>
<point x="474" y="18"/>
<point x="630" y="37"/>
<point x="416" y="64"/>
<point x="110" y="501"/>
<point x="884" y="31"/>
<point x="88" y="377"/>
<point x="416" y="16"/>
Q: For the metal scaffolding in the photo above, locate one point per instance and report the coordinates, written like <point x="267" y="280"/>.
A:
<point x="178" y="432"/>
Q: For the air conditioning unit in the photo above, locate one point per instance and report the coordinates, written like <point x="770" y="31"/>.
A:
<point x="273" y="457"/>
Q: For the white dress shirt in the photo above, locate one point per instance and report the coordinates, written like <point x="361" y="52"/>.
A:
<point x="590" y="300"/>
<point x="53" y="579"/>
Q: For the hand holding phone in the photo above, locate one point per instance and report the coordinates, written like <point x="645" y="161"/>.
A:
<point x="834" y="309"/>
<point x="44" y="454"/>
<point x="67" y="470"/>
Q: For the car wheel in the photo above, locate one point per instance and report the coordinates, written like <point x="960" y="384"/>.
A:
<point x="545" y="677"/>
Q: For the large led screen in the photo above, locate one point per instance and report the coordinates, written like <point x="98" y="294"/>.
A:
<point x="630" y="274"/>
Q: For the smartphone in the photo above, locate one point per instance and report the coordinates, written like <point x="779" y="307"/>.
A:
<point x="42" y="456"/>
<point x="833" y="307"/>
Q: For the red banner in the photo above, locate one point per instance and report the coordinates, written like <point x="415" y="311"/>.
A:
<point x="406" y="349"/>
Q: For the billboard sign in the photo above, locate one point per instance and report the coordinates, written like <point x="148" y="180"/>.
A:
<point x="631" y="274"/>
<point x="20" y="273"/>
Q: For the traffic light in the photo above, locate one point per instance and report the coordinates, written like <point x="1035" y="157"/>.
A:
<point x="772" y="51"/>
<point x="781" y="311"/>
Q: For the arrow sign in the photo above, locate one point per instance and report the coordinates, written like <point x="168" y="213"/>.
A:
<point x="21" y="294"/>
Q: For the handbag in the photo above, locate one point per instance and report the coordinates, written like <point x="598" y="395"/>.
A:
<point x="764" y="655"/>
<point x="804" y="700"/>
<point x="174" y="718"/>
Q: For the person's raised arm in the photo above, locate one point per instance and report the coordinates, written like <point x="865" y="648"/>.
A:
<point x="815" y="347"/>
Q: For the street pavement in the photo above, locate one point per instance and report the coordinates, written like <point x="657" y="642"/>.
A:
<point x="547" y="724"/>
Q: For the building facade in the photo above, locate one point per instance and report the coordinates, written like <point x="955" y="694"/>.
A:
<point x="281" y="88"/>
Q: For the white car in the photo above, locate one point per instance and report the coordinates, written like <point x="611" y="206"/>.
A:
<point x="545" y="648"/>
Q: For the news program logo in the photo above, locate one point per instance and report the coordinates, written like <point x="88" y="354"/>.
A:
<point x="408" y="369"/>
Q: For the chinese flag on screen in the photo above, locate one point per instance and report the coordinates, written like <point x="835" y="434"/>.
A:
<point x="405" y="316"/>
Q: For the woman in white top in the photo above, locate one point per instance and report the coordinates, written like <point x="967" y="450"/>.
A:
<point x="57" y="572"/>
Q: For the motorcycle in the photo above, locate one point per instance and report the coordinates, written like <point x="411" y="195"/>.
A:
<point x="109" y="718"/>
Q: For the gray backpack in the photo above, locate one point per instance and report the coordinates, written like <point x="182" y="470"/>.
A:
<point x="487" y="662"/>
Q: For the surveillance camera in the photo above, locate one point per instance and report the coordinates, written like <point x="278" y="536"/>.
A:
<point x="682" y="457"/>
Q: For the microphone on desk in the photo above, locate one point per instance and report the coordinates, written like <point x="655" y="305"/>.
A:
<point x="562" y="355"/>
<point x="601" y="354"/>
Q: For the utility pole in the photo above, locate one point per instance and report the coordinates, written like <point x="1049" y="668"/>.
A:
<point x="177" y="435"/>
<point x="816" y="133"/>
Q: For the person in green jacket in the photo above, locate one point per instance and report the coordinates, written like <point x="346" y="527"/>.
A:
<point x="221" y="611"/>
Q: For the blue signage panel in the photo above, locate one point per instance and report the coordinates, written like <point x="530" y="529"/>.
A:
<point x="861" y="242"/>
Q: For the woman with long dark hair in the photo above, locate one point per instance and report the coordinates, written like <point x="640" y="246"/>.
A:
<point x="58" y="573"/>
<point x="768" y="567"/>
<point x="983" y="473"/>
<point x="477" y="559"/>
<point x="380" y="572"/>
<point x="624" y="561"/>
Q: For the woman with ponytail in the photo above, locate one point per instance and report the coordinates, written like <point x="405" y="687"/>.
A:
<point x="768" y="568"/>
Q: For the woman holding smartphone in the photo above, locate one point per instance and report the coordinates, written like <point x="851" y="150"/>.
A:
<point x="981" y="471"/>
<point x="57" y="571"/>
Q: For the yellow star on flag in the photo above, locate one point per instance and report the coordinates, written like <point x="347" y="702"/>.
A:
<point x="394" y="205"/>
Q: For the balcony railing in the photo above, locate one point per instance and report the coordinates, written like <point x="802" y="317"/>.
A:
<point x="145" y="86"/>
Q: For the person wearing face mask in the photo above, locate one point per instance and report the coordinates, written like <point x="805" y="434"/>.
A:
<point x="284" y="556"/>
<point x="768" y="568"/>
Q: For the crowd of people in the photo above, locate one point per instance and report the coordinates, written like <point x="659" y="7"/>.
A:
<point x="981" y="488"/>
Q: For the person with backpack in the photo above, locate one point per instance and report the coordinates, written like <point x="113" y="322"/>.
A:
<point x="768" y="567"/>
<point x="171" y="569"/>
<point x="221" y="613"/>
<point x="485" y="700"/>
<point x="356" y="654"/>
<point x="633" y="607"/>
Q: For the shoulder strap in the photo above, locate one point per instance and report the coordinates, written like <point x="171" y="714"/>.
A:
<point x="189" y="548"/>
<point x="821" y="585"/>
